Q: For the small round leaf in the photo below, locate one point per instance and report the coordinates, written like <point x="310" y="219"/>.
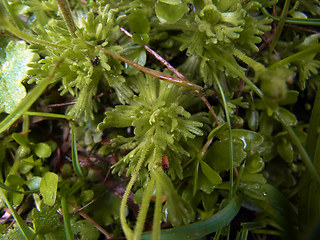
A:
<point x="42" y="150"/>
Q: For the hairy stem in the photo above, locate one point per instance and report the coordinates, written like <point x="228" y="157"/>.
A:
<point x="66" y="12"/>
<point x="13" y="16"/>
<point x="157" y="209"/>
<point x="127" y="231"/>
<point x="143" y="210"/>
<point x="226" y="109"/>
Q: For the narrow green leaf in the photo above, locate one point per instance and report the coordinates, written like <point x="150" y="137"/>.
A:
<point x="21" y="139"/>
<point x="48" y="188"/>
<point x="202" y="228"/>
<point x="26" y="230"/>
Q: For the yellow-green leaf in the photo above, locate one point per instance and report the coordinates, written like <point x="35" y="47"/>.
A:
<point x="48" y="188"/>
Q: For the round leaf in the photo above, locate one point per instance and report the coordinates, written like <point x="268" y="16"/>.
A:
<point x="42" y="150"/>
<point x="138" y="21"/>
<point x="250" y="139"/>
<point x="219" y="154"/>
<point x="168" y="13"/>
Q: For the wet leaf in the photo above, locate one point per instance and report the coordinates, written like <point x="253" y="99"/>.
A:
<point x="254" y="164"/>
<point x="219" y="154"/>
<point x="250" y="139"/>
<point x="288" y="117"/>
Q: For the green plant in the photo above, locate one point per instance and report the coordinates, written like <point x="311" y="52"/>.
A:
<point x="184" y="146"/>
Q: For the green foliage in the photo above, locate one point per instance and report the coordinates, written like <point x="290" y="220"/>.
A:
<point x="159" y="121"/>
<point x="143" y="132"/>
<point x="48" y="188"/>
<point x="13" y="71"/>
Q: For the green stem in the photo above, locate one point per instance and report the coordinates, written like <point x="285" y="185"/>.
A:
<point x="26" y="231"/>
<point x="26" y="123"/>
<point x="236" y="71"/>
<point x="280" y="25"/>
<point x="143" y="210"/>
<point x="297" y="56"/>
<point x="154" y="73"/>
<point x="126" y="229"/>
<point x="66" y="12"/>
<point x="304" y="155"/>
<point x="51" y="115"/>
<point x="312" y="22"/>
<point x="66" y="217"/>
<point x="74" y="150"/>
<point x="26" y="103"/>
<point x="231" y="193"/>
<point x="157" y="209"/>
<point x="13" y="16"/>
<point x="27" y="37"/>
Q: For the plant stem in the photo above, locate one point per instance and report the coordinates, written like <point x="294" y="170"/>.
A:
<point x="27" y="37"/>
<point x="237" y="72"/>
<point x="66" y="12"/>
<point x="297" y="56"/>
<point x="26" y="103"/>
<point x="280" y="24"/>
<point x="154" y="73"/>
<point x="226" y="109"/>
<point x="74" y="150"/>
<point x="13" y="16"/>
<point x="157" y="209"/>
<point x="50" y="115"/>
<point x="312" y="22"/>
<point x="66" y="218"/>
<point x="126" y="229"/>
<point x="304" y="155"/>
<point x="143" y="210"/>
